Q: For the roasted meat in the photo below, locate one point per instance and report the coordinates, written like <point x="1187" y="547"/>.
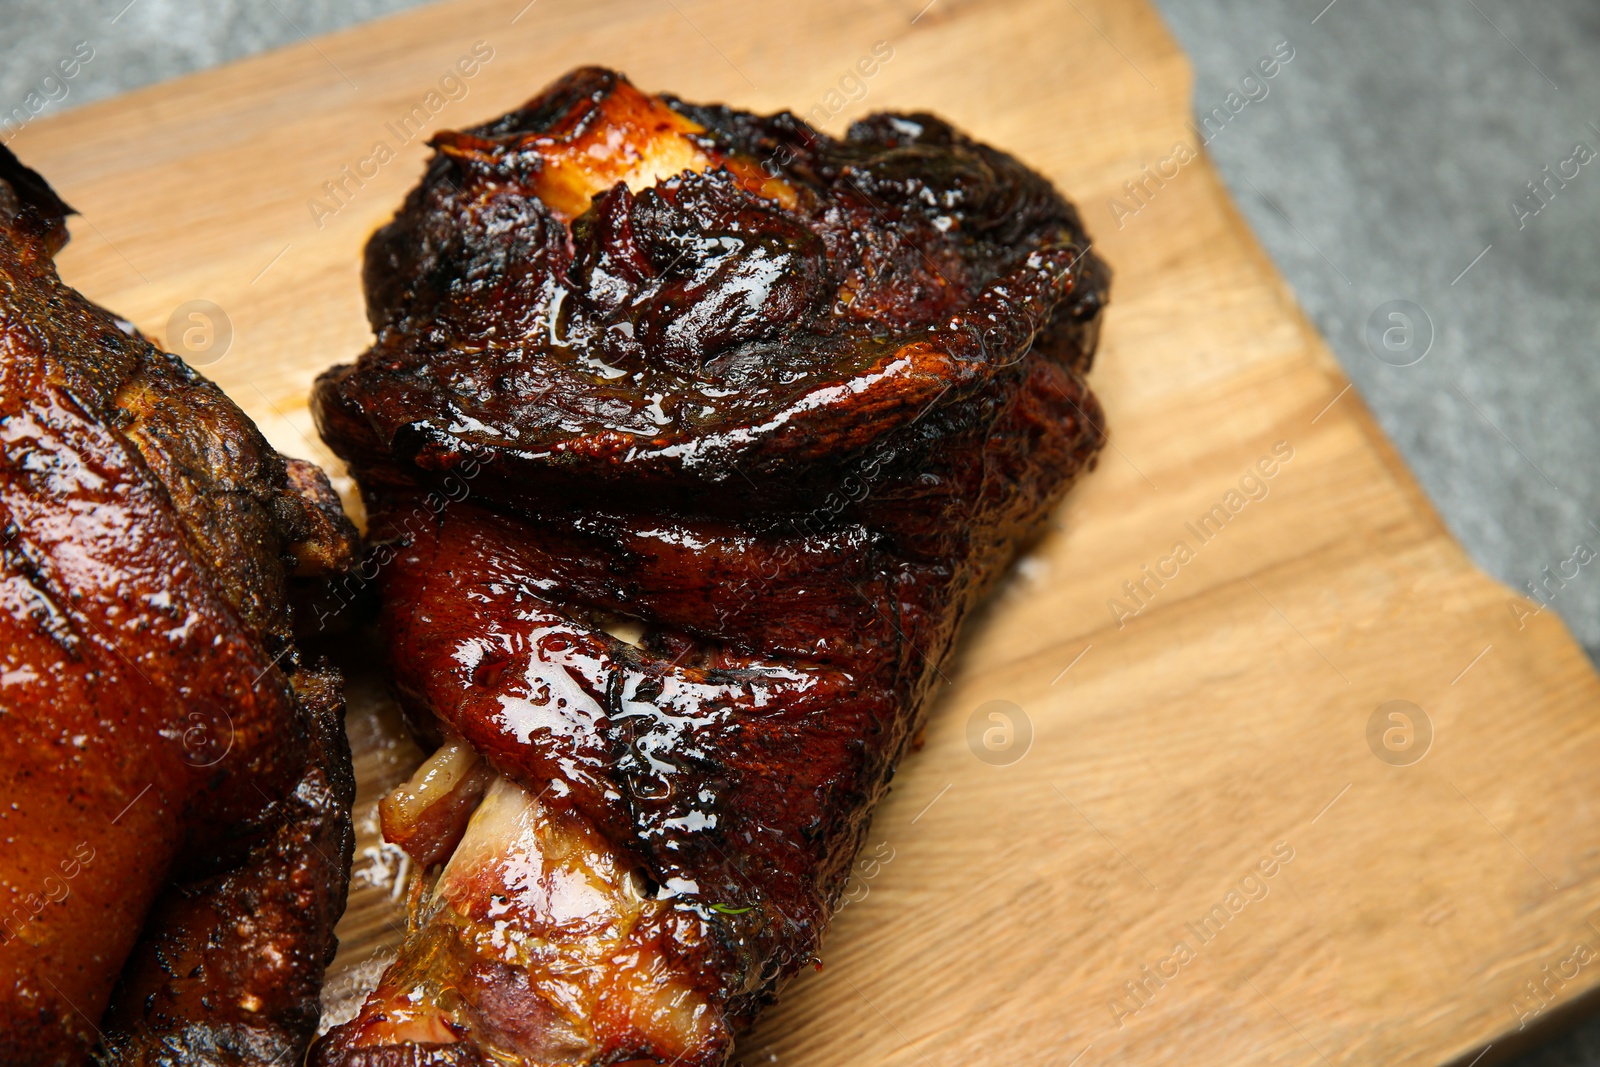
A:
<point x="176" y="781"/>
<point x="688" y="439"/>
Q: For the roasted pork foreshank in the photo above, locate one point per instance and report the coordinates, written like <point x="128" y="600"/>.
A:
<point x="175" y="780"/>
<point x="688" y="439"/>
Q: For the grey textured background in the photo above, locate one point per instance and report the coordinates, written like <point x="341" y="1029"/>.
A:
<point x="1383" y="160"/>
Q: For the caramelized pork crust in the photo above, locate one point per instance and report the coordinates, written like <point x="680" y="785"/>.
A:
<point x="688" y="439"/>
<point x="176" y="784"/>
<point x="744" y="302"/>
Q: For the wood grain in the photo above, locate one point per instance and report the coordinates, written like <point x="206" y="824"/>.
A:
<point x="1171" y="753"/>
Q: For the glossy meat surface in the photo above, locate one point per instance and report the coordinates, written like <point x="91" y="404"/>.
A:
<point x="688" y="439"/>
<point x="176" y="780"/>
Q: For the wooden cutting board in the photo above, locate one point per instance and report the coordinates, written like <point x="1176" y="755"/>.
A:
<point x="1030" y="882"/>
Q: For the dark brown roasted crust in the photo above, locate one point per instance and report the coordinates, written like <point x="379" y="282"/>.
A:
<point x="229" y="968"/>
<point x="692" y="339"/>
<point x="178" y="786"/>
<point x="792" y="409"/>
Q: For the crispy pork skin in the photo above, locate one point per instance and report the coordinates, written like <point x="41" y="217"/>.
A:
<point x="175" y="777"/>
<point x="689" y="437"/>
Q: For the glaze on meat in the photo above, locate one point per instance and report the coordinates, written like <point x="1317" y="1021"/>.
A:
<point x="175" y="779"/>
<point x="688" y="439"/>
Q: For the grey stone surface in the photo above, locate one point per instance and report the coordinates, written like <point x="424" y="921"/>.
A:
<point x="1384" y="159"/>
